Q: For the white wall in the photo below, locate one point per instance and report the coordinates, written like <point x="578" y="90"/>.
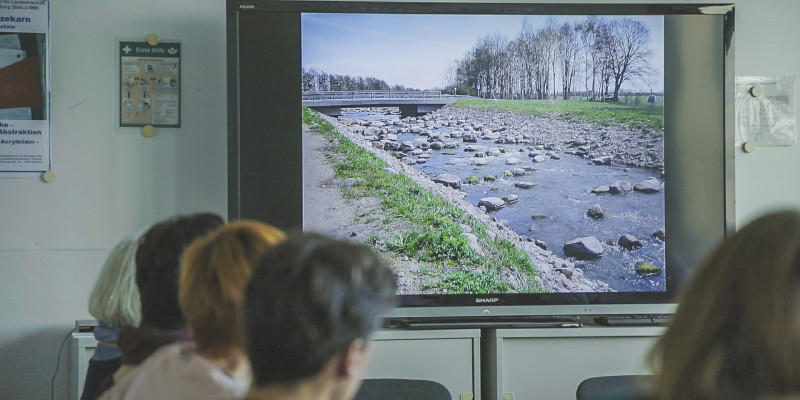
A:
<point x="54" y="237"/>
<point x="767" y="43"/>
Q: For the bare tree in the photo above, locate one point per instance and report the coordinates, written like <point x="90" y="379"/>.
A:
<point x="568" y="53"/>
<point x="588" y="30"/>
<point x="627" y="54"/>
<point x="537" y="63"/>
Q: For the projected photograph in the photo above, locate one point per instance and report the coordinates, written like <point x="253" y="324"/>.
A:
<point x="489" y="153"/>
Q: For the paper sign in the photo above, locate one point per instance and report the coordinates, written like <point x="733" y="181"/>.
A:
<point x="24" y="105"/>
<point x="150" y="84"/>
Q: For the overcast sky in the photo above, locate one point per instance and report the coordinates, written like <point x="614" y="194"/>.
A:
<point x="416" y="50"/>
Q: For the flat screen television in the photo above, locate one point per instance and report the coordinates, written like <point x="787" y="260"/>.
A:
<point x="507" y="159"/>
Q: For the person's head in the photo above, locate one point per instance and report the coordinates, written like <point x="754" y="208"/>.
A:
<point x="214" y="273"/>
<point x="115" y="298"/>
<point x="157" y="261"/>
<point x="736" y="331"/>
<point x="311" y="305"/>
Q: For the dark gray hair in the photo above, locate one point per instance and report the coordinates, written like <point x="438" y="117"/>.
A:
<point x="307" y="300"/>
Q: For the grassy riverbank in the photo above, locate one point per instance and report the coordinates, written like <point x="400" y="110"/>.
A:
<point x="640" y="115"/>
<point x="432" y="227"/>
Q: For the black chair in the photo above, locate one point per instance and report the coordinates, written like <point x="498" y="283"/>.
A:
<point x="402" y="389"/>
<point x="618" y="387"/>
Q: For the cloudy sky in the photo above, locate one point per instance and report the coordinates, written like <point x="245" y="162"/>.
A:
<point x="416" y="50"/>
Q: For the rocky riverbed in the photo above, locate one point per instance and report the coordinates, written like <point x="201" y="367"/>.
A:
<point x="520" y="143"/>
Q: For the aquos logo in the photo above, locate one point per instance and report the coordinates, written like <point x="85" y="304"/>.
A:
<point x="487" y="300"/>
<point x="247" y="7"/>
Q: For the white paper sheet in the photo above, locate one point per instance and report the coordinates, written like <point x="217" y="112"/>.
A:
<point x="765" y="115"/>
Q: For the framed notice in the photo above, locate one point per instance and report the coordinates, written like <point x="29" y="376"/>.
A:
<point x="24" y="84"/>
<point x="150" y="84"/>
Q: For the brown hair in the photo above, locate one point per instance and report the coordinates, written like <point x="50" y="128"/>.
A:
<point x="157" y="262"/>
<point x="736" y="331"/>
<point x="214" y="273"/>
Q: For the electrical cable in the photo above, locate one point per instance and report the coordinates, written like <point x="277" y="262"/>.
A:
<point x="58" y="363"/>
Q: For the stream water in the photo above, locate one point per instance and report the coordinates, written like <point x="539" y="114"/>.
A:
<point x="555" y="209"/>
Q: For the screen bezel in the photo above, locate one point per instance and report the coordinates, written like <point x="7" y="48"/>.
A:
<point x="699" y="79"/>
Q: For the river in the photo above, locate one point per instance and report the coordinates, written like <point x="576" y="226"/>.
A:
<point x="555" y="209"/>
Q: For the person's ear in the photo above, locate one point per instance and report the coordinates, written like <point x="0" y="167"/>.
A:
<point x="352" y="359"/>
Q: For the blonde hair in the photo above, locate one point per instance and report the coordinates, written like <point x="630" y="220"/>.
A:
<point x="115" y="298"/>
<point x="213" y="277"/>
<point x="736" y="331"/>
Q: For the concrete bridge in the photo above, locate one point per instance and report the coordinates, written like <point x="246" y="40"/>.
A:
<point x="410" y="102"/>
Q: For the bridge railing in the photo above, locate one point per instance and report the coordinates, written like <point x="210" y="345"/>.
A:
<point x="373" y="94"/>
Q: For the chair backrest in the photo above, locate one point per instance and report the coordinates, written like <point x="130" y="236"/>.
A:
<point x="402" y="389"/>
<point x="616" y="387"/>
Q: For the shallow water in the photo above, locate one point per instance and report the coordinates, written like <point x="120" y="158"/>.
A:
<point x="555" y="209"/>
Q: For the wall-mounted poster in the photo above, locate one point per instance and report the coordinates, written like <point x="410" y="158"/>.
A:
<point x="24" y="103"/>
<point x="150" y="84"/>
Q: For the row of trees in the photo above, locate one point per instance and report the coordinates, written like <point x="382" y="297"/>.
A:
<point x="555" y="60"/>
<point x="314" y="81"/>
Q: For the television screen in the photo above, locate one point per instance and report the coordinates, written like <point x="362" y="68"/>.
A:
<point x="494" y="154"/>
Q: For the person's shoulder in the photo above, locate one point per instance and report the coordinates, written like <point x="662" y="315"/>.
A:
<point x="186" y="374"/>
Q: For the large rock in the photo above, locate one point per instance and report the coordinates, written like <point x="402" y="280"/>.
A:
<point x="475" y="148"/>
<point x="647" y="269"/>
<point x="524" y="185"/>
<point x="408" y="160"/>
<point x="538" y="159"/>
<point x="601" y="189"/>
<point x="650" y="185"/>
<point x="602" y="160"/>
<point x="473" y="243"/>
<point x="450" y="180"/>
<point x="511" y="198"/>
<point x="622" y="186"/>
<point x="585" y="248"/>
<point x="513" y="161"/>
<point x="595" y="212"/>
<point x="629" y="242"/>
<point x="492" y="203"/>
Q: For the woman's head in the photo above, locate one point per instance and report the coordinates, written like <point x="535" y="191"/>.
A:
<point x="311" y="298"/>
<point x="737" y="326"/>
<point x="213" y="277"/>
<point x="157" y="261"/>
<point x="115" y="298"/>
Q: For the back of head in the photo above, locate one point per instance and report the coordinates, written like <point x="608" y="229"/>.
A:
<point x="115" y="298"/>
<point x="736" y="332"/>
<point x="214" y="273"/>
<point x="308" y="299"/>
<point x="157" y="261"/>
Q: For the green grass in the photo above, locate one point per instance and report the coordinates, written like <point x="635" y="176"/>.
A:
<point x="467" y="281"/>
<point x="436" y="235"/>
<point x="635" y="116"/>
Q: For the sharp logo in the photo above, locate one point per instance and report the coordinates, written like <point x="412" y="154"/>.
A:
<point x="487" y="300"/>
